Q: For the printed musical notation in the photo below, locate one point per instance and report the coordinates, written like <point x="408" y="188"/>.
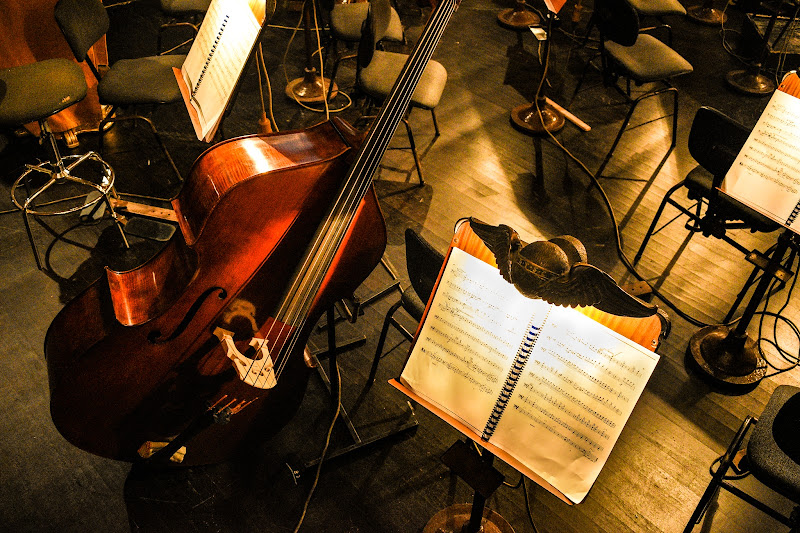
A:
<point x="764" y="174"/>
<point x="518" y="371"/>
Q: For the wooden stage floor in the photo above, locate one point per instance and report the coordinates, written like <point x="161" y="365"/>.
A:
<point x="480" y="166"/>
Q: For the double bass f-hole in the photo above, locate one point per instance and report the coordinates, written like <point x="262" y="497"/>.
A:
<point x="155" y="336"/>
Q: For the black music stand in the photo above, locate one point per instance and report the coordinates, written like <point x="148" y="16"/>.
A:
<point x="518" y="17"/>
<point x="751" y="80"/>
<point x="408" y="422"/>
<point x="539" y="117"/>
<point x="728" y="354"/>
<point x="706" y="13"/>
<point x="475" y="467"/>
<point x="311" y="88"/>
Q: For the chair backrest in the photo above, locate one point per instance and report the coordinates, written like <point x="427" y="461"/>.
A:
<point x="83" y="23"/>
<point x="423" y="263"/>
<point x="373" y="30"/>
<point x="714" y="141"/>
<point x="617" y="21"/>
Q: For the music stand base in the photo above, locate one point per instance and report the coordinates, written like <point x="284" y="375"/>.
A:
<point x="725" y="358"/>
<point x="311" y="88"/>
<point x="518" y="17"/>
<point x="453" y="519"/>
<point x="526" y="118"/>
<point x="750" y="82"/>
<point x="706" y="15"/>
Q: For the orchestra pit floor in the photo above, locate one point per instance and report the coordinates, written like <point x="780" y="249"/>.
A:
<point x="480" y="166"/>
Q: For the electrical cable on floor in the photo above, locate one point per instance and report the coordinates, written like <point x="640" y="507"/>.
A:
<point x="528" y="505"/>
<point x="338" y="379"/>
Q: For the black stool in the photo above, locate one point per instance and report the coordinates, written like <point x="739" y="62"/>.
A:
<point x="35" y="92"/>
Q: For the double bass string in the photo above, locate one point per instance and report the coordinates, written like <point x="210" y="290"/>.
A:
<point x="331" y="234"/>
<point x="360" y="178"/>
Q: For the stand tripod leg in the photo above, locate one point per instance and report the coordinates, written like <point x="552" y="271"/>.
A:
<point x="410" y="419"/>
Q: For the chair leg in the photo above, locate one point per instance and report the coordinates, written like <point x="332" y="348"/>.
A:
<point x="414" y="151"/>
<point x="719" y="475"/>
<point x="435" y="123"/>
<point x="656" y="218"/>
<point x="111" y="118"/>
<point x="629" y="115"/>
<point x="381" y="341"/>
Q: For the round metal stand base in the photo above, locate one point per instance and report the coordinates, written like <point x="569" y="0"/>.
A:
<point x="526" y="118"/>
<point x="706" y="15"/>
<point x="310" y="89"/>
<point x="453" y="519"/>
<point x="726" y="358"/>
<point x="750" y="82"/>
<point x="518" y="18"/>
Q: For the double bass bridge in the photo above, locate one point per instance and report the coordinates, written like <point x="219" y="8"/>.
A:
<point x="257" y="372"/>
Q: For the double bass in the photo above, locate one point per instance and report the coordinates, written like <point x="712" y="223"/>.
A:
<point x="202" y="347"/>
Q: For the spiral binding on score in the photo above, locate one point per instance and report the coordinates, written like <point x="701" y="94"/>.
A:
<point x="524" y="352"/>
<point x="210" y="55"/>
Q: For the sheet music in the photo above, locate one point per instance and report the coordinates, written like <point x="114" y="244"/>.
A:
<point x="573" y="399"/>
<point x="765" y="175"/>
<point x="217" y="57"/>
<point x="469" y="341"/>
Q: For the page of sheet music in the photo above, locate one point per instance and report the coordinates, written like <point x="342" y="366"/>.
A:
<point x="217" y="57"/>
<point x="765" y="173"/>
<point x="469" y="339"/>
<point x="573" y="399"/>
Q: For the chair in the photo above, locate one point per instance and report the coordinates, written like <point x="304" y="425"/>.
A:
<point x="636" y="57"/>
<point x="345" y="25"/>
<point x="658" y="9"/>
<point x="772" y="456"/>
<point x="378" y="70"/>
<point x="34" y="92"/>
<point x="714" y="141"/>
<point x="423" y="263"/>
<point x="128" y="82"/>
<point x="181" y="14"/>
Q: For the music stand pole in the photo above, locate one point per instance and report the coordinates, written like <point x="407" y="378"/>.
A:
<point x="729" y="354"/>
<point x="751" y="80"/>
<point x="539" y="116"/>
<point x="311" y="88"/>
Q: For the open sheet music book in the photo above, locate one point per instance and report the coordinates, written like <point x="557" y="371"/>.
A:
<point x="215" y="62"/>
<point x="765" y="175"/>
<point x="545" y="388"/>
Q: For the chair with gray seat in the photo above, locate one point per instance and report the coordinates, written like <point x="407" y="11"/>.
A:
<point x="33" y="93"/>
<point x="423" y="263"/>
<point x="345" y="25"/>
<point x="714" y="141"/>
<point x="186" y="14"/>
<point x="128" y="82"/>
<point x="772" y="456"/>
<point x="379" y="69"/>
<point x="637" y="58"/>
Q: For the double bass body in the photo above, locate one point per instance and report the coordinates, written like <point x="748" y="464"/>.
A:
<point x="134" y="358"/>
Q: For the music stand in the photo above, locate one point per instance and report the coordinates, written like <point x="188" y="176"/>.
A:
<point x="518" y="17"/>
<point x="476" y="469"/>
<point x="728" y="354"/>
<point x="311" y="88"/>
<point x="706" y="13"/>
<point x="751" y="80"/>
